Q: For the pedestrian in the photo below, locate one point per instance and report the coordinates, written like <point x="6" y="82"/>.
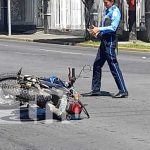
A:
<point x="132" y="20"/>
<point x="106" y="51"/>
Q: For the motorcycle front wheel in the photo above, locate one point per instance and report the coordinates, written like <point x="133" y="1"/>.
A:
<point x="8" y="101"/>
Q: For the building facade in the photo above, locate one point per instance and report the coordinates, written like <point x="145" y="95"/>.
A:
<point x="54" y="14"/>
<point x="69" y="15"/>
<point x="25" y="15"/>
<point x="64" y="15"/>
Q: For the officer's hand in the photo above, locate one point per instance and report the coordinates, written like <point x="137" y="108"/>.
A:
<point x="94" y="31"/>
<point x="90" y="31"/>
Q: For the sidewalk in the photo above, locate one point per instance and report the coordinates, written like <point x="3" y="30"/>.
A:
<point x="44" y="38"/>
<point x="70" y="40"/>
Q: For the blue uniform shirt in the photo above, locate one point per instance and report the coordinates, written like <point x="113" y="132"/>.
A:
<point x="113" y="13"/>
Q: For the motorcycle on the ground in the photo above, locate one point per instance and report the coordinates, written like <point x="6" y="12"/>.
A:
<point x="59" y="97"/>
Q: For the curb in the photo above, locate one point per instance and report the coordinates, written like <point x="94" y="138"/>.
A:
<point x="119" y="47"/>
<point x="17" y="39"/>
<point x="134" y="49"/>
<point x="66" y="42"/>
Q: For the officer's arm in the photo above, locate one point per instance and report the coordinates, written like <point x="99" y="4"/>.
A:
<point x="114" y="23"/>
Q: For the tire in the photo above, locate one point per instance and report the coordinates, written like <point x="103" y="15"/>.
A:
<point x="8" y="76"/>
<point x="23" y="95"/>
<point x="12" y="95"/>
<point x="7" y="101"/>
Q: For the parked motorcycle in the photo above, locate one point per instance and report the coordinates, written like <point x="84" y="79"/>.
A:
<point x="60" y="97"/>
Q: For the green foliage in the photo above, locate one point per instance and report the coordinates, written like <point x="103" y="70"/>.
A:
<point x="122" y="45"/>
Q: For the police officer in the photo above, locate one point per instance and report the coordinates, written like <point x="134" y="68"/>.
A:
<point x="106" y="51"/>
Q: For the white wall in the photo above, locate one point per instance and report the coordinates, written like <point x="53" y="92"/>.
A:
<point x="67" y="14"/>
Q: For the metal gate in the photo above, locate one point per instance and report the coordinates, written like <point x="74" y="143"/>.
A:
<point x="66" y="14"/>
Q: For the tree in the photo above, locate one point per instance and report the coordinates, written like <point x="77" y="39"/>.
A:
<point x="45" y="16"/>
<point x="88" y="5"/>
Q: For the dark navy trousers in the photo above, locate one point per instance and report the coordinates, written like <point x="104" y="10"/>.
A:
<point x="106" y="52"/>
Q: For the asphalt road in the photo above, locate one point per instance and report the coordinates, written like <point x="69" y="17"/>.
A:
<point x="115" y="124"/>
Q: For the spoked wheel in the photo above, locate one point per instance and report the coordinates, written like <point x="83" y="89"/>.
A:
<point x="7" y="101"/>
<point x="84" y="109"/>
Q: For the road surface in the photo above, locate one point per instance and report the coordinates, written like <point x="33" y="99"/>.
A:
<point x="115" y="124"/>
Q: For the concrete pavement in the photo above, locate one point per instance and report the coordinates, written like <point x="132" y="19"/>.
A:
<point x="115" y="124"/>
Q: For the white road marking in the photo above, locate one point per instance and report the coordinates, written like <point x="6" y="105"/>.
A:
<point x="30" y="54"/>
<point x="53" y="51"/>
<point x="3" y="45"/>
<point x="66" y="52"/>
<point x="48" y="50"/>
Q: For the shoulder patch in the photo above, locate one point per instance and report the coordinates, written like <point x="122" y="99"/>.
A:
<point x="115" y="14"/>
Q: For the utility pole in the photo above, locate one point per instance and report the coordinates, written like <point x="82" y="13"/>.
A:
<point x="9" y="17"/>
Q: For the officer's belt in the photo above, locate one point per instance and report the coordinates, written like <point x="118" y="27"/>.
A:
<point x="108" y="35"/>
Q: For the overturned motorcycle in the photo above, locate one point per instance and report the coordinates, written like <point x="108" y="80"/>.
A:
<point x="51" y="94"/>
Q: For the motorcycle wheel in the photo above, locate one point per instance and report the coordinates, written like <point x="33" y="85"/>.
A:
<point x="8" y="101"/>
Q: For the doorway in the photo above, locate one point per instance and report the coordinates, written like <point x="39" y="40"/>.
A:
<point x="3" y="15"/>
